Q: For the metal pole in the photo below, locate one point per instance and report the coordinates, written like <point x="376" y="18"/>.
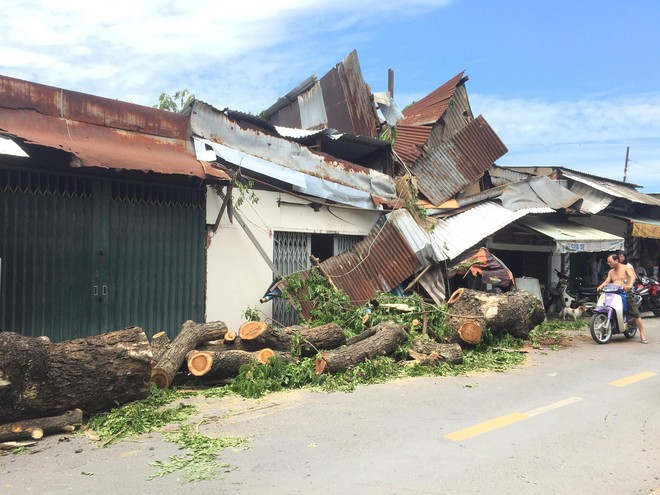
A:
<point x="625" y="167"/>
<point x="253" y="239"/>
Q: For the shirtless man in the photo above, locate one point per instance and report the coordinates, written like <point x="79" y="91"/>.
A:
<point x="624" y="275"/>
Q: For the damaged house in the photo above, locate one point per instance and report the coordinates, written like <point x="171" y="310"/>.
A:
<point x="115" y="214"/>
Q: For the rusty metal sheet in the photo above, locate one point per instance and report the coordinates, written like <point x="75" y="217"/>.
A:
<point x="429" y="109"/>
<point x="287" y="116"/>
<point x="105" y="147"/>
<point x="347" y="98"/>
<point x="409" y="141"/>
<point x="444" y="171"/>
<point x="326" y="176"/>
<point x="56" y="102"/>
<point x="100" y="132"/>
<point x="379" y="263"/>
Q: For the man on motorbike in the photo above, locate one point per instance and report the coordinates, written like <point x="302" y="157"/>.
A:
<point x="623" y="275"/>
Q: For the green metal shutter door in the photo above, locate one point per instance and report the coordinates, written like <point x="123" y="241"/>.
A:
<point x="156" y="257"/>
<point x="45" y="250"/>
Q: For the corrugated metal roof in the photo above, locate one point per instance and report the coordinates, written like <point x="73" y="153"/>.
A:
<point x="379" y="263"/>
<point x="342" y="94"/>
<point x="447" y="169"/>
<point x="348" y="98"/>
<point x="617" y="190"/>
<point x="574" y="238"/>
<point x="454" y="235"/>
<point x="536" y="192"/>
<point x="323" y="176"/>
<point x="100" y="132"/>
<point x="289" y="99"/>
<point x="409" y="141"/>
<point x="429" y="109"/>
<point x="593" y="200"/>
<point x="502" y="175"/>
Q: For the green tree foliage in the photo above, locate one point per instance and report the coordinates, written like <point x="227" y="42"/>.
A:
<point x="176" y="102"/>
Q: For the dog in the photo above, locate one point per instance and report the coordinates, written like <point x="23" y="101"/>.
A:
<point x="574" y="313"/>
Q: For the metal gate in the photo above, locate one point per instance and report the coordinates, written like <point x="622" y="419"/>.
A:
<point x="81" y="256"/>
<point x="291" y="254"/>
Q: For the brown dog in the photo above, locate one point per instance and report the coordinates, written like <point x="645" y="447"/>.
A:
<point x="575" y="313"/>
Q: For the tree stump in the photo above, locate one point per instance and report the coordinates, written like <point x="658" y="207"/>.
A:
<point x="39" y="379"/>
<point x="471" y="312"/>
<point x="191" y="335"/>
<point x="259" y="335"/>
<point x="386" y="338"/>
<point x="224" y="364"/>
<point x="37" y="427"/>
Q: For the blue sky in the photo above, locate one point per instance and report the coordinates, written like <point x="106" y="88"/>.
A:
<point x="569" y="83"/>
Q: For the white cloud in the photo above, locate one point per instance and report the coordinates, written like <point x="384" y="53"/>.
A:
<point x="242" y="55"/>
<point x="590" y="135"/>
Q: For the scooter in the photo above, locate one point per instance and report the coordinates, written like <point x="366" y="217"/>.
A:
<point x="559" y="293"/>
<point x="649" y="290"/>
<point x="610" y="315"/>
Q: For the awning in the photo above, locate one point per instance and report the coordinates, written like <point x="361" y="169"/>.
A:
<point x="642" y="226"/>
<point x="574" y="238"/>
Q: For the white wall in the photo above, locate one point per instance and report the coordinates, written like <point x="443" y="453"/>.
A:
<point x="237" y="275"/>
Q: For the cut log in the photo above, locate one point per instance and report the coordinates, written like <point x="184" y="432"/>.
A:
<point x="191" y="335"/>
<point x="365" y="334"/>
<point x="37" y="427"/>
<point x="515" y="312"/>
<point x="386" y="338"/>
<point x="225" y="364"/>
<point x="259" y="335"/>
<point x="449" y="353"/>
<point x="230" y="338"/>
<point x="159" y="343"/>
<point x="39" y="379"/>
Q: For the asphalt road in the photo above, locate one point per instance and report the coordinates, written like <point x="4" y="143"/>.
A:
<point x="583" y="420"/>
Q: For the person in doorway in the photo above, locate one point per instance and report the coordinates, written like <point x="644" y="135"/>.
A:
<point x="622" y="274"/>
<point x="592" y="271"/>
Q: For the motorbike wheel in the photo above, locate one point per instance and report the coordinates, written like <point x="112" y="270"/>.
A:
<point x="631" y="329"/>
<point x="600" y="327"/>
<point x="656" y="310"/>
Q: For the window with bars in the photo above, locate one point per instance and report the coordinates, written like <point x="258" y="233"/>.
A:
<point x="291" y="253"/>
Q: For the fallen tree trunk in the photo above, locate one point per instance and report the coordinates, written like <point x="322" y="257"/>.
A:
<point x="39" y="379"/>
<point x="437" y="353"/>
<point x="472" y="311"/>
<point x="191" y="335"/>
<point x="386" y="338"/>
<point x="259" y="335"/>
<point x="159" y="343"/>
<point x="224" y="364"/>
<point x="36" y="428"/>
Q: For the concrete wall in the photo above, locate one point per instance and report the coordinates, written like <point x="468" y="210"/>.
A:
<point x="237" y="275"/>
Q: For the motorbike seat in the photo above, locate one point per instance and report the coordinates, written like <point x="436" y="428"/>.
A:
<point x="587" y="290"/>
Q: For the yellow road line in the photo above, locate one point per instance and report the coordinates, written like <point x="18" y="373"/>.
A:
<point x="550" y="407"/>
<point x="487" y="426"/>
<point x="494" y="424"/>
<point x="632" y="379"/>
